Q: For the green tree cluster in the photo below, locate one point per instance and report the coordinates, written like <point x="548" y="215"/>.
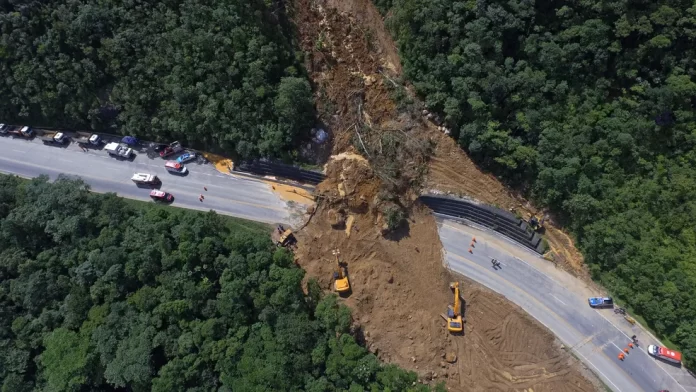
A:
<point x="589" y="107"/>
<point x="220" y="75"/>
<point x="97" y="294"/>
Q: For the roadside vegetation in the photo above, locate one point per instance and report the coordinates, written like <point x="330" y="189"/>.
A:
<point x="159" y="71"/>
<point x="98" y="294"/>
<point x="588" y="107"/>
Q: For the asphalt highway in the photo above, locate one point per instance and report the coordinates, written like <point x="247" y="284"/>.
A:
<point x="230" y="195"/>
<point x="559" y="301"/>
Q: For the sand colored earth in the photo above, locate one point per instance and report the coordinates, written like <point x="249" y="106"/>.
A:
<point x="222" y="164"/>
<point x="400" y="289"/>
<point x="292" y="193"/>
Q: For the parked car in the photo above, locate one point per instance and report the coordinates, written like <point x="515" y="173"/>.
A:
<point x="175" y="167"/>
<point x="161" y="196"/>
<point x="173" y="148"/>
<point x="186" y="157"/>
<point x="600" y="302"/>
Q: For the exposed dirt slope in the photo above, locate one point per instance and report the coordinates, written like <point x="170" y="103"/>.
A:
<point x="399" y="285"/>
<point x="400" y="289"/>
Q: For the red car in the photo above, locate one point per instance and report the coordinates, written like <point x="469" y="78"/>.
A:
<point x="161" y="196"/>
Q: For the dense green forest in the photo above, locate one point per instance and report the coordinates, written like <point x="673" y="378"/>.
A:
<point x="588" y="106"/>
<point x="220" y="75"/>
<point x="98" y="294"/>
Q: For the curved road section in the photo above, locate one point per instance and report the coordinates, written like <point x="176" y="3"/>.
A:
<point x="226" y="194"/>
<point x="559" y="301"/>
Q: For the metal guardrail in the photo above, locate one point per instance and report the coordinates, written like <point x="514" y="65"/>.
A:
<point x="268" y="168"/>
<point x="494" y="218"/>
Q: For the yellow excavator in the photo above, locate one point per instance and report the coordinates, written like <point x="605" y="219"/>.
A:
<point x="454" y="313"/>
<point x="341" y="283"/>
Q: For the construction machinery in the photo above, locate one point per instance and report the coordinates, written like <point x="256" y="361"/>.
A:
<point x="455" y="324"/>
<point x="536" y="224"/>
<point x="287" y="238"/>
<point x="341" y="282"/>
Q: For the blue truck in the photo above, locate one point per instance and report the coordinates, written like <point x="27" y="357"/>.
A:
<point x="600" y="302"/>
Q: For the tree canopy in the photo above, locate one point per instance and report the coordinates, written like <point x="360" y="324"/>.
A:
<point x="220" y="75"/>
<point x="589" y="107"/>
<point x="97" y="294"/>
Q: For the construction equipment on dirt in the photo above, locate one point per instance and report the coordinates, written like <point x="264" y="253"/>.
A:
<point x="455" y="324"/>
<point x="536" y="224"/>
<point x="341" y="282"/>
<point x="287" y="238"/>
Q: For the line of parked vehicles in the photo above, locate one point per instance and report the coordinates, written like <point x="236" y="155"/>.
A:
<point x="660" y="352"/>
<point x="121" y="150"/>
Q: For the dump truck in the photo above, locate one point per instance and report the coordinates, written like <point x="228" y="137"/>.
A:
<point x="51" y="137"/>
<point x="119" y="150"/>
<point x="87" y="139"/>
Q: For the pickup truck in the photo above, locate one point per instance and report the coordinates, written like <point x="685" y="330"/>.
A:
<point x="171" y="149"/>
<point x="26" y="132"/>
<point x="54" y="138"/>
<point x="119" y="150"/>
<point x="600" y="302"/>
<point x="83" y="138"/>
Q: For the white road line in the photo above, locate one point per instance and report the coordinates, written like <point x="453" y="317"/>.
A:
<point x="22" y="151"/>
<point x="619" y="348"/>
<point x="558" y="300"/>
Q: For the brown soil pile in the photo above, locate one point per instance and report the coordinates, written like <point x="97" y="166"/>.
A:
<point x="399" y="287"/>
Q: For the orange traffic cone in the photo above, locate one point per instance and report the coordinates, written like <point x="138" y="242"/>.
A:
<point x="471" y="251"/>
<point x="205" y="188"/>
<point x="621" y="357"/>
<point x="473" y="239"/>
<point x="626" y="350"/>
<point x="630" y="345"/>
<point x="472" y="245"/>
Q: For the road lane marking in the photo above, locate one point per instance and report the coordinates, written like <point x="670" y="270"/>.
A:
<point x="107" y="180"/>
<point x="558" y="300"/>
<point x="549" y="312"/>
<point x="22" y="151"/>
